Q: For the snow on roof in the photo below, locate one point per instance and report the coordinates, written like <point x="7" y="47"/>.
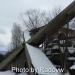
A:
<point x="41" y="62"/>
<point x="72" y="67"/>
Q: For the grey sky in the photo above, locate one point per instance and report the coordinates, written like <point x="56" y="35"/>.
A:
<point x="10" y="10"/>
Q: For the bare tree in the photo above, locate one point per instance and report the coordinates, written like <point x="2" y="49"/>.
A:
<point x="56" y="11"/>
<point x="35" y="18"/>
<point x="17" y="36"/>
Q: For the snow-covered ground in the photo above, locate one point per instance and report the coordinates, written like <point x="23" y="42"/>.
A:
<point x="7" y="73"/>
<point x="40" y="62"/>
<point x="11" y="73"/>
<point x="23" y="74"/>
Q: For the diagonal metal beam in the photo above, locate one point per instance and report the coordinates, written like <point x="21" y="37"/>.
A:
<point x="60" y="20"/>
<point x="10" y="58"/>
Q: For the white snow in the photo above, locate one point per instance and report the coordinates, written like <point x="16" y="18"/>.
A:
<point x="71" y="49"/>
<point x="39" y="60"/>
<point x="10" y="73"/>
<point x="72" y="67"/>
<point x="22" y="74"/>
<point x="7" y="73"/>
<point x="67" y="73"/>
<point x="55" y="47"/>
<point x="71" y="58"/>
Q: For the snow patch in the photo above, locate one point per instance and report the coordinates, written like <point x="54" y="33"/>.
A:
<point x="39" y="60"/>
<point x="72" y="67"/>
<point x="22" y="74"/>
<point x="11" y="73"/>
<point x="7" y="73"/>
<point x="71" y="58"/>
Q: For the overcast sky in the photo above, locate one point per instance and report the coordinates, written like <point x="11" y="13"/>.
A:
<point x="10" y="10"/>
